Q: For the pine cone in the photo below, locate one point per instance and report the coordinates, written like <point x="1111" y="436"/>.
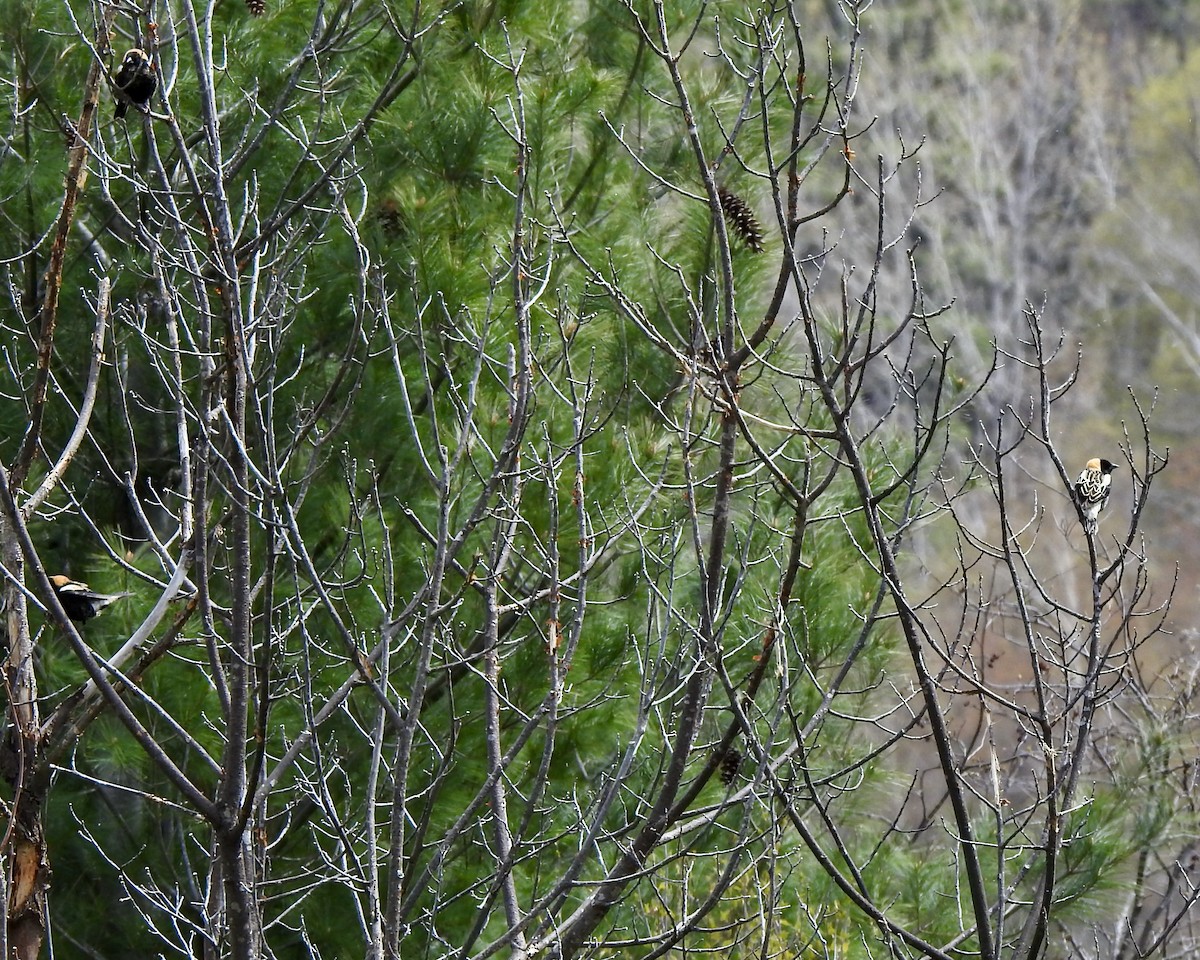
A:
<point x="730" y="764"/>
<point x="256" y="7"/>
<point x="390" y="217"/>
<point x="741" y="218"/>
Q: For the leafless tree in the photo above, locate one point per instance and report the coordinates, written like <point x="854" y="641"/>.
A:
<point x="667" y="615"/>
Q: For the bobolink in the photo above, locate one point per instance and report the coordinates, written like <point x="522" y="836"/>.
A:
<point x="1093" y="488"/>
<point x="135" y="81"/>
<point x="81" y="602"/>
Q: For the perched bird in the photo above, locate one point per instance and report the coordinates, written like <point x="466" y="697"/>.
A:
<point x="80" y="601"/>
<point x="1093" y="487"/>
<point x="135" y="81"/>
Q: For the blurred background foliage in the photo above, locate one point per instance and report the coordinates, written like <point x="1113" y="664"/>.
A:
<point x="1059" y="167"/>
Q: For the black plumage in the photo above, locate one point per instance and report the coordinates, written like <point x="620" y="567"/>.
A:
<point x="1093" y="488"/>
<point x="80" y="601"/>
<point x="135" y="81"/>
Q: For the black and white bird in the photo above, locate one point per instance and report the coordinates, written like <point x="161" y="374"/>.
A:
<point x="1093" y="488"/>
<point x="135" y="81"/>
<point x="79" y="600"/>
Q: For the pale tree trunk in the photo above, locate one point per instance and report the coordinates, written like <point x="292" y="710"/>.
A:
<point x="26" y="863"/>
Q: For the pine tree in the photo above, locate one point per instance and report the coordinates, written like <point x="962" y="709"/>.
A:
<point x="515" y="515"/>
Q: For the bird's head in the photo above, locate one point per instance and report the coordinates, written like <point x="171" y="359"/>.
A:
<point x="1105" y="466"/>
<point x="136" y="57"/>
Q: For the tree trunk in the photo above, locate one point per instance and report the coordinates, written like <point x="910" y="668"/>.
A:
<point x="25" y="859"/>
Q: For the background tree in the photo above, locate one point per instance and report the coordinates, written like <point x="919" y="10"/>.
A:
<point x="536" y="459"/>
